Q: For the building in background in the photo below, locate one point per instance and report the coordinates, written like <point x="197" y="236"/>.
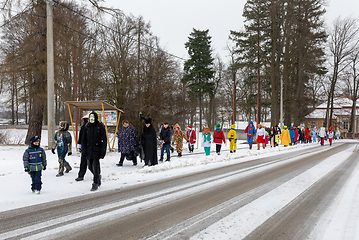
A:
<point x="341" y="115"/>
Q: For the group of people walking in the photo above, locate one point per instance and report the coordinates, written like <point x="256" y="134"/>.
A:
<point x="92" y="144"/>
<point x="288" y="136"/>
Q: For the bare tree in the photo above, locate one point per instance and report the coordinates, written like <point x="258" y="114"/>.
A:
<point x="343" y="40"/>
<point x="351" y="77"/>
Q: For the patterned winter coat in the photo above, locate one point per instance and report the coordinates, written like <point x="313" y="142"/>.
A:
<point x="127" y="140"/>
<point x="63" y="141"/>
<point x="178" y="137"/>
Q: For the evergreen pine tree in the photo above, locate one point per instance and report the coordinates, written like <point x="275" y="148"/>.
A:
<point x="199" y="68"/>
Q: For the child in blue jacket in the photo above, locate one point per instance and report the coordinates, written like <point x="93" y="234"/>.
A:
<point x="34" y="159"/>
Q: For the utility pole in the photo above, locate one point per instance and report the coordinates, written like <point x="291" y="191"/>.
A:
<point x="281" y="102"/>
<point x="234" y="97"/>
<point x="50" y="75"/>
<point x="257" y="99"/>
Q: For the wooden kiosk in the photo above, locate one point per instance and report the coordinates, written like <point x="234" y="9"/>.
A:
<point x="95" y="106"/>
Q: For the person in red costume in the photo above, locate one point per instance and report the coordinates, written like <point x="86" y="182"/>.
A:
<point x="218" y="137"/>
<point x="191" y="136"/>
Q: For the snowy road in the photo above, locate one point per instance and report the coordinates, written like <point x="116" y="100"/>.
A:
<point x="290" y="195"/>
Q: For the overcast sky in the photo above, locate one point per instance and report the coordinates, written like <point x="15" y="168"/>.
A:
<point x="173" y="21"/>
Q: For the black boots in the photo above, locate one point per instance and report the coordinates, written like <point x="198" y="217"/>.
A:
<point x="94" y="187"/>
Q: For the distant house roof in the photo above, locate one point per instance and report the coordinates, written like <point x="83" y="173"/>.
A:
<point x="341" y="107"/>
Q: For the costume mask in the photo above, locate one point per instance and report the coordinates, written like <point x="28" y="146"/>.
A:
<point x="92" y="118"/>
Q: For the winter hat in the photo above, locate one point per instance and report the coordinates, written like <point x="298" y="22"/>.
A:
<point x="218" y="125"/>
<point x="233" y="126"/>
<point x="190" y="127"/>
<point x="64" y="126"/>
<point x="35" y="139"/>
<point x="148" y="120"/>
<point x="206" y="130"/>
<point x="284" y="126"/>
<point x="307" y="127"/>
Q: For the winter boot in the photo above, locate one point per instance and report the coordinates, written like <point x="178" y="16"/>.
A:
<point x="161" y="160"/>
<point x="119" y="164"/>
<point x="231" y="151"/>
<point x="179" y="154"/>
<point x="94" y="187"/>
<point x="68" y="168"/>
<point x="99" y="180"/>
<point x="167" y="160"/>
<point x="60" y="174"/>
<point x="79" y="179"/>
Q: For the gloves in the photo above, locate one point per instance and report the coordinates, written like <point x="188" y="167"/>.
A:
<point x="44" y="168"/>
<point x="27" y="169"/>
<point x="53" y="151"/>
<point x="70" y="153"/>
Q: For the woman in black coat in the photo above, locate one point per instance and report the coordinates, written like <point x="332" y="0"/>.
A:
<point x="272" y="134"/>
<point x="149" y="143"/>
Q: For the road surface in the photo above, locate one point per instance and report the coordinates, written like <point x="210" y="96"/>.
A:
<point x="180" y="207"/>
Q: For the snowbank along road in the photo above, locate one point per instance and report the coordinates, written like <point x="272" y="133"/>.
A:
<point x="288" y="196"/>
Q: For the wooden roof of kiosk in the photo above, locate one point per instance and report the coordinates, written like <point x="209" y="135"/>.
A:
<point x="93" y="106"/>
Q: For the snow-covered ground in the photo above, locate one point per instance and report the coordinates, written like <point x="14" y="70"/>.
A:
<point x="343" y="214"/>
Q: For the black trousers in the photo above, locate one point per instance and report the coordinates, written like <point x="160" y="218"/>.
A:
<point x="94" y="167"/>
<point x="131" y="155"/>
<point x="218" y="148"/>
<point x="83" y="166"/>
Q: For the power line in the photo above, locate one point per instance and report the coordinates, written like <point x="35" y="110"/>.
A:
<point x="103" y="25"/>
<point x="19" y="14"/>
<point x="81" y="33"/>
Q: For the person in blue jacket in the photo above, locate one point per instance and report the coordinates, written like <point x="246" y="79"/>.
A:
<point x="251" y="132"/>
<point x="34" y="160"/>
<point x="292" y="135"/>
<point x="314" y="134"/>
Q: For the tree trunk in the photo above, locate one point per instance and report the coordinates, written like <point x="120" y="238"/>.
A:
<point x="38" y="87"/>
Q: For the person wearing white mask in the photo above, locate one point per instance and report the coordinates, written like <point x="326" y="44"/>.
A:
<point x="94" y="144"/>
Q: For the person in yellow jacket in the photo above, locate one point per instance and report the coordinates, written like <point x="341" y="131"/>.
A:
<point x="285" y="137"/>
<point x="232" y="136"/>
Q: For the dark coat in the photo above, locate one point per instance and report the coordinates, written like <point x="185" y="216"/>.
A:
<point x="82" y="129"/>
<point x="149" y="143"/>
<point x="127" y="140"/>
<point x="165" y="135"/>
<point x="94" y="141"/>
